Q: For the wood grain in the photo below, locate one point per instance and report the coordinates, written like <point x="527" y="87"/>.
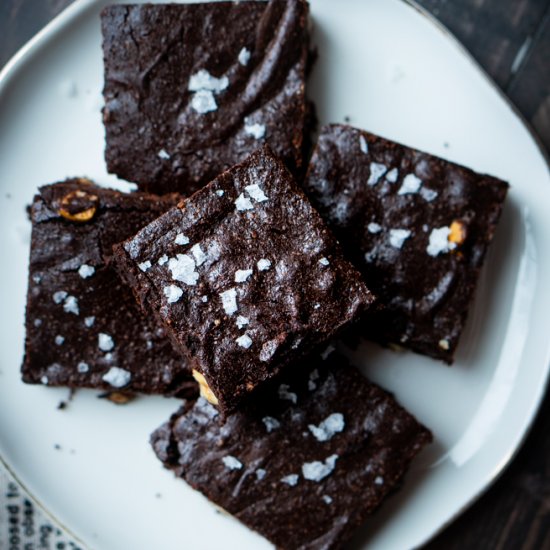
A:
<point x="511" y="40"/>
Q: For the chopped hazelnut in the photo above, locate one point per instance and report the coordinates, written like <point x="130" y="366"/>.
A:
<point x="458" y="232"/>
<point x="118" y="398"/>
<point x="78" y="206"/>
<point x="205" y="390"/>
<point x="444" y="344"/>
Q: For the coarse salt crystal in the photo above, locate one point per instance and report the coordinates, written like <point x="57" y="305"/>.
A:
<point x="163" y="154"/>
<point x="199" y="255"/>
<point x="439" y="242"/>
<point x="244" y="341"/>
<point x="377" y="170"/>
<point x="271" y="423"/>
<point x="398" y="237"/>
<point x="173" y="293"/>
<point x="86" y="271"/>
<point x="243" y="203"/>
<point x="231" y="463"/>
<point x="182" y="268"/>
<point x="105" y="342"/>
<point x="263" y="264"/>
<point x="181" y="239"/>
<point x="316" y="470"/>
<point x="256" y="192"/>
<point x="411" y="184"/>
<point x="363" y="145"/>
<point x="229" y="301"/>
<point x="329" y="427"/>
<point x="117" y="377"/>
<point x="291" y="479"/>
<point x="144" y="266"/>
<point x="374" y="227"/>
<point x="241" y="275"/>
<point x="244" y="57"/>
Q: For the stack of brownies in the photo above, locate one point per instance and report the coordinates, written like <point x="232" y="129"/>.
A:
<point x="234" y="269"/>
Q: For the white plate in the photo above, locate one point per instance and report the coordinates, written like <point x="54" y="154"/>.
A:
<point x="392" y="71"/>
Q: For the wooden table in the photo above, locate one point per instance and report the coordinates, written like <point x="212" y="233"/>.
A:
<point x="511" y="40"/>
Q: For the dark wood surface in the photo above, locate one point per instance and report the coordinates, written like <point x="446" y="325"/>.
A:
<point x="511" y="40"/>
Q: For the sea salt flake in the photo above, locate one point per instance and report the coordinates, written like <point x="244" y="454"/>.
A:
<point x="324" y="261"/>
<point x="243" y="203"/>
<point x="411" y="184"/>
<point x="242" y="321"/>
<point x="285" y="393"/>
<point x="291" y="479"/>
<point x="59" y="296"/>
<point x="86" y="271"/>
<point x="203" y="80"/>
<point x="183" y="269"/>
<point x="256" y="192"/>
<point x="377" y="170"/>
<point x="428" y="194"/>
<point x="329" y="427"/>
<point x="203" y="102"/>
<point x="71" y="305"/>
<point x="244" y="57"/>
<point x="229" y="301"/>
<point x="363" y="145"/>
<point x="181" y="239"/>
<point x="328" y="350"/>
<point x="392" y="175"/>
<point x="105" y="342"/>
<point x="199" y="255"/>
<point x="268" y="350"/>
<point x="144" y="266"/>
<point x="398" y="237"/>
<point x="204" y="298"/>
<point x="271" y="423"/>
<point x="173" y="293"/>
<point x="374" y="227"/>
<point x="241" y="275"/>
<point x="163" y="259"/>
<point x="379" y="480"/>
<point x="89" y="321"/>
<point x="82" y="367"/>
<point x="327" y="499"/>
<point x="117" y="377"/>
<point x="44" y="380"/>
<point x="231" y="463"/>
<point x="316" y="471"/>
<point x="220" y="192"/>
<point x="255" y="130"/>
<point x="163" y="154"/>
<point x="439" y="242"/>
<point x="263" y="264"/>
<point x="59" y="340"/>
<point x="244" y="341"/>
<point x="260" y="474"/>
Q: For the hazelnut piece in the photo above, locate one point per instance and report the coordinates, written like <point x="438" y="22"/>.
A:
<point x="457" y="233"/>
<point x="205" y="390"/>
<point x="78" y="206"/>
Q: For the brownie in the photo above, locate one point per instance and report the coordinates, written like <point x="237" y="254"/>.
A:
<point x="415" y="225"/>
<point x="305" y="465"/>
<point x="83" y="326"/>
<point x="192" y="89"/>
<point x="245" y="277"/>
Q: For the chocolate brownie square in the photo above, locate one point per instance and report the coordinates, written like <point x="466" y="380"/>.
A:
<point x="304" y="466"/>
<point x="417" y="227"/>
<point x="245" y="276"/>
<point x="83" y="326"/>
<point x="192" y="89"/>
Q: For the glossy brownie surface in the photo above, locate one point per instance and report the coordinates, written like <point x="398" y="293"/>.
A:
<point x="83" y="326"/>
<point x="191" y="89"/>
<point x="245" y="276"/>
<point x="307" y="463"/>
<point x="417" y="227"/>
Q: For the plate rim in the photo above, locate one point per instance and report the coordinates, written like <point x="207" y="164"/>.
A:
<point x="67" y="16"/>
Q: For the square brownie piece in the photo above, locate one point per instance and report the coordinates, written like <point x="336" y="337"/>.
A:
<point x="83" y="326"/>
<point x="192" y="89"/>
<point x="304" y="466"/>
<point x="245" y="276"/>
<point x="415" y="225"/>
